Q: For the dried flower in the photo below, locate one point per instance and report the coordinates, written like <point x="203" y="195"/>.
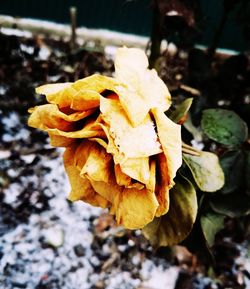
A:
<point x="122" y="151"/>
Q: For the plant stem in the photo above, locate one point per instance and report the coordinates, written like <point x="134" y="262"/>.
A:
<point x="190" y="150"/>
<point x="156" y="35"/>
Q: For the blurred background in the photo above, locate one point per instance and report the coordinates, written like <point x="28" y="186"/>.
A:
<point x="200" y="49"/>
<point x="136" y="17"/>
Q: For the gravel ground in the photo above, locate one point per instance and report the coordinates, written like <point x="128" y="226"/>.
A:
<point x="48" y="242"/>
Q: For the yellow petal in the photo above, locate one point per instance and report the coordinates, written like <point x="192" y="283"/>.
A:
<point x="83" y="94"/>
<point x="83" y="133"/>
<point x="170" y="137"/>
<point x="79" y="159"/>
<point x="99" y="164"/>
<point x="163" y="185"/>
<point x="103" y="182"/>
<point x="133" y="104"/>
<point x="81" y="188"/>
<point x="135" y="185"/>
<point x="82" y="152"/>
<point x="142" y="89"/>
<point x="85" y="99"/>
<point x="62" y="97"/>
<point x="96" y="82"/>
<point x="60" y="141"/>
<point x="61" y="127"/>
<point x="135" y="208"/>
<point x="108" y="190"/>
<point x="95" y="200"/>
<point x="100" y="142"/>
<point x="111" y="147"/>
<point x="77" y="100"/>
<point x="130" y="62"/>
<point x="155" y="91"/>
<point x="152" y="177"/>
<point x="48" y="89"/>
<point x="121" y="178"/>
<point x="49" y="116"/>
<point x="90" y="130"/>
<point x="128" y="139"/>
<point x="137" y="169"/>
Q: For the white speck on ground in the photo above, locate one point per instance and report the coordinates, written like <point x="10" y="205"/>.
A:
<point x="3" y="89"/>
<point x="162" y="278"/>
<point x="44" y="53"/>
<point x="27" y="49"/>
<point x="16" y="32"/>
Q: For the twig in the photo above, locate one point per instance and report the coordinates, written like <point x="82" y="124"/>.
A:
<point x="190" y="89"/>
<point x="190" y="150"/>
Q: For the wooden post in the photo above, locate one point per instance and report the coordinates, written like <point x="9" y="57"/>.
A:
<point x="73" y="15"/>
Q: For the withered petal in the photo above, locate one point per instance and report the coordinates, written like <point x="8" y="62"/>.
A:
<point x="138" y="169"/>
<point x="142" y="88"/>
<point x="135" y="208"/>
<point x="163" y="184"/>
<point x="52" y="88"/>
<point x="96" y="82"/>
<point x="60" y="141"/>
<point x="170" y="138"/>
<point x="99" y="164"/>
<point x="83" y="94"/>
<point x="48" y="116"/>
<point x="81" y="188"/>
<point x="152" y="177"/>
<point x="121" y="178"/>
<point x="128" y="139"/>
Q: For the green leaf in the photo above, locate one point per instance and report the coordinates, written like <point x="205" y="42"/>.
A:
<point x="232" y="163"/>
<point x="181" y="110"/>
<point x="196" y="243"/>
<point x="173" y="227"/>
<point x="206" y="171"/>
<point x="211" y="223"/>
<point x="224" y="126"/>
<point x="232" y="205"/>
<point x="195" y="132"/>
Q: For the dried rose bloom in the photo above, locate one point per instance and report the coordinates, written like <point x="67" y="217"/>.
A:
<point x="122" y="151"/>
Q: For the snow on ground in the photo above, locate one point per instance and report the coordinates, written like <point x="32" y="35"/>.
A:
<point x="160" y="277"/>
<point x="56" y="247"/>
<point x="104" y="36"/>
